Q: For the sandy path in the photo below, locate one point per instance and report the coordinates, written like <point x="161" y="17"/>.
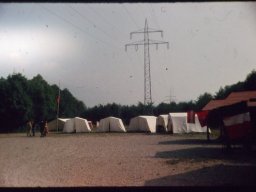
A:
<point x="114" y="160"/>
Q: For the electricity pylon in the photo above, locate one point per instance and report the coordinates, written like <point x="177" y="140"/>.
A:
<point x="146" y="42"/>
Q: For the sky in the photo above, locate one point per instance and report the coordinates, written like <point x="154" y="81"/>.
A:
<point x="81" y="46"/>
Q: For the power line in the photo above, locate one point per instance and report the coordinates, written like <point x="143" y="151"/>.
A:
<point x="154" y="16"/>
<point x="142" y="10"/>
<point x="102" y="17"/>
<point x="94" y="25"/>
<point x="95" y="12"/>
<point x="79" y="28"/>
<point x="138" y="27"/>
<point x="130" y="15"/>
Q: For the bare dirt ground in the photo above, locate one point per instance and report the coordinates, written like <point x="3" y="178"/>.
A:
<point x="122" y="159"/>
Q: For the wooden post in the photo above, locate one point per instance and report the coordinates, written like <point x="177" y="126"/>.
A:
<point x="58" y="108"/>
<point x="208" y="134"/>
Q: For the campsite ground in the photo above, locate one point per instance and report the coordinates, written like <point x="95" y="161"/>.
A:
<point x="121" y="159"/>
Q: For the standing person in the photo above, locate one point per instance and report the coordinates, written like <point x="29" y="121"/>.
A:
<point x="33" y="128"/>
<point x="41" y="125"/>
<point x="29" y="128"/>
<point x="45" y="128"/>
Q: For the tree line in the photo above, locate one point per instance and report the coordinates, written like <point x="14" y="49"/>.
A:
<point x="23" y="99"/>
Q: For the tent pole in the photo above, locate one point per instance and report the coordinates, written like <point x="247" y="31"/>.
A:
<point x="58" y="100"/>
<point x="208" y="135"/>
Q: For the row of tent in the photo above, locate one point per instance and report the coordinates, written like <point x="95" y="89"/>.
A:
<point x="173" y="123"/>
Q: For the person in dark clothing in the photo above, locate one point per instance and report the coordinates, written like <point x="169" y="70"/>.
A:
<point x="33" y="128"/>
<point x="41" y="125"/>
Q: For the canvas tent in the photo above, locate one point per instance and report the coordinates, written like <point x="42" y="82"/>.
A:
<point x="69" y="126"/>
<point x="177" y="123"/>
<point x="111" y="124"/>
<point x="81" y="125"/>
<point x="77" y="125"/>
<point x="196" y="127"/>
<point x="142" y="124"/>
<point x="161" y="123"/>
<point x="52" y="125"/>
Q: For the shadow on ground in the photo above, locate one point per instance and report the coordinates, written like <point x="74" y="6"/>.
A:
<point x="218" y="175"/>
<point x="198" y="154"/>
<point x="190" y="141"/>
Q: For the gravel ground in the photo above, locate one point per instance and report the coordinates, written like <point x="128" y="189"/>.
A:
<point x="121" y="159"/>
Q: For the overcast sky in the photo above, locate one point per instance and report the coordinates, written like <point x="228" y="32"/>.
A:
<point x="83" y="46"/>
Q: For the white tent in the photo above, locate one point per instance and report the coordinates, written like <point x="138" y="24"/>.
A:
<point x="81" y="125"/>
<point x="52" y="125"/>
<point x="111" y="124"/>
<point x="143" y="123"/>
<point x="69" y="126"/>
<point x="162" y="122"/>
<point x="196" y="127"/>
<point x="76" y="124"/>
<point x="177" y="123"/>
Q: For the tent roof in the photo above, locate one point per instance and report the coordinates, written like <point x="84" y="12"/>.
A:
<point x="146" y="116"/>
<point x="61" y="119"/>
<point x="213" y="104"/>
<point x="232" y="98"/>
<point x="110" y="117"/>
<point x="241" y="96"/>
<point x="165" y="115"/>
<point x="181" y="114"/>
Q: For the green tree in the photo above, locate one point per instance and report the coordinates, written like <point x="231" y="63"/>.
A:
<point x="69" y="105"/>
<point x="23" y="99"/>
<point x="250" y="81"/>
<point x="15" y="102"/>
<point x="202" y="100"/>
<point x="43" y="97"/>
<point x="164" y="108"/>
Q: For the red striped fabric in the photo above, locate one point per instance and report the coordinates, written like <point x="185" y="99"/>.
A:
<point x="237" y="126"/>
<point x="238" y="130"/>
<point x="202" y="117"/>
<point x="191" y="117"/>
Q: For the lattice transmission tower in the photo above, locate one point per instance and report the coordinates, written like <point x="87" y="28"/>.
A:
<point x="146" y="42"/>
